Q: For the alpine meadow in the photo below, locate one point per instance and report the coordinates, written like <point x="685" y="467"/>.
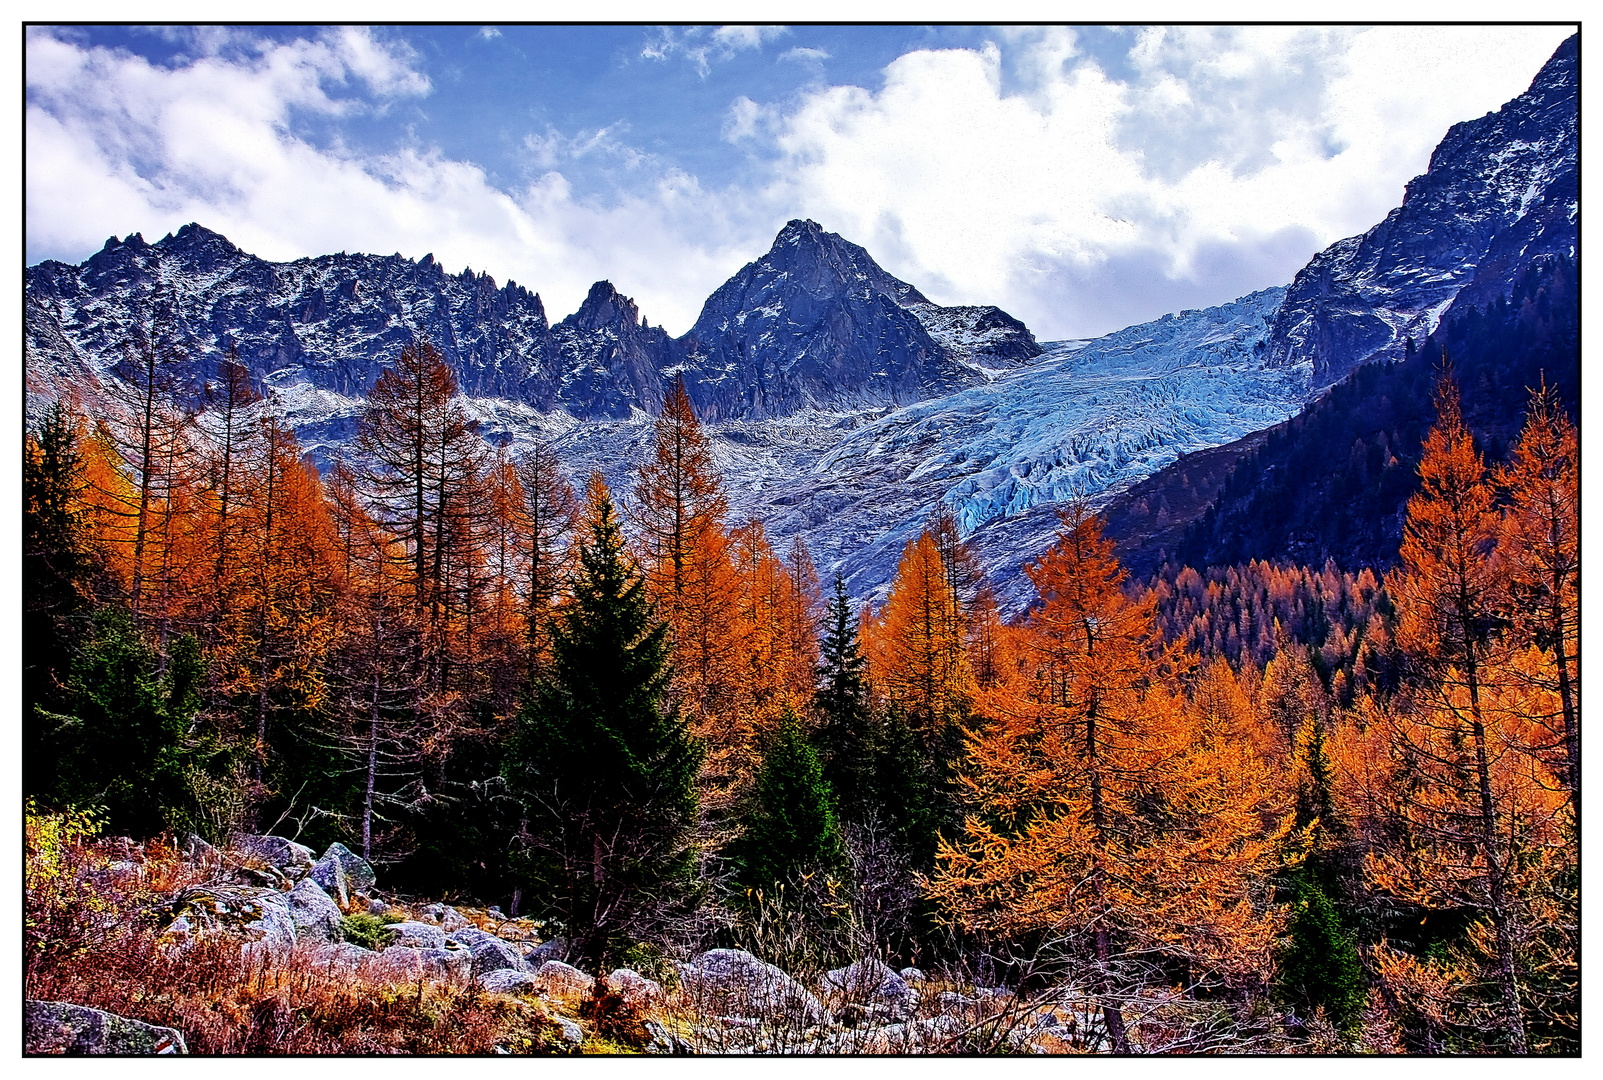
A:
<point x="1156" y="631"/>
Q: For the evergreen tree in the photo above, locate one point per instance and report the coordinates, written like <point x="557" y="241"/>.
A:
<point x="1319" y="966"/>
<point x="841" y="705"/>
<point x="605" y="771"/>
<point x="124" y="740"/>
<point x="790" y="826"/>
<point x="59" y="569"/>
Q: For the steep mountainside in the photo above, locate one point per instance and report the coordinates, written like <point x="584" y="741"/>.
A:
<point x="1500" y="191"/>
<point x="816" y="323"/>
<point x="845" y="407"/>
<point x="1335" y="481"/>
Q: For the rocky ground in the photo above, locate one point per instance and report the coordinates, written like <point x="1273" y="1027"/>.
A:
<point x="284" y="909"/>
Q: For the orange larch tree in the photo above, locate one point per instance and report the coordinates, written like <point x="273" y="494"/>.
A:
<point x="1477" y="813"/>
<point x="916" y="644"/>
<point x="1539" y="546"/>
<point x="1110" y="813"/>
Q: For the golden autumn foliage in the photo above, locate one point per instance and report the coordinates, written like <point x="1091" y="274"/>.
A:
<point x="1108" y="806"/>
<point x="916" y="645"/>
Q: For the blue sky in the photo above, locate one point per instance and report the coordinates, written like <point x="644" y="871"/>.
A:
<point x="1081" y="178"/>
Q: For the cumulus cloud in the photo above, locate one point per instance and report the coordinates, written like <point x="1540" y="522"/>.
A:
<point x="1024" y="173"/>
<point x="116" y="143"/>
<point x="1081" y="189"/>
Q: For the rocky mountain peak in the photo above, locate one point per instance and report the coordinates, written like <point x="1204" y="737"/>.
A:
<point x="1501" y="190"/>
<point x="605" y="308"/>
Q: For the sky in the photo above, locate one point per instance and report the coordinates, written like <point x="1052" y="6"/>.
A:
<point x="1081" y="178"/>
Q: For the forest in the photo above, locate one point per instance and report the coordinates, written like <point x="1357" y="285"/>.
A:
<point x="1242" y="807"/>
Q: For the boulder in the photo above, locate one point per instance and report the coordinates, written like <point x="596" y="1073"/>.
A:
<point x="571" y="1033"/>
<point x="55" y="1027"/>
<point x="560" y="980"/>
<point x="342" y="955"/>
<point x="452" y="920"/>
<point x="873" y="985"/>
<point x="419" y="935"/>
<point x="490" y="953"/>
<point x="276" y="852"/>
<point x="733" y="982"/>
<point x="507" y="981"/>
<point x="275" y="921"/>
<point x="343" y="874"/>
<point x="453" y="961"/>
<point x="316" y="916"/>
<point x="635" y="989"/>
<point x="555" y="949"/>
<point x="911" y="974"/>
<point x="400" y="963"/>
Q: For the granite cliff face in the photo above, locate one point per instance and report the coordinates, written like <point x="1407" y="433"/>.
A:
<point x="1500" y="191"/>
<point x="816" y="323"/>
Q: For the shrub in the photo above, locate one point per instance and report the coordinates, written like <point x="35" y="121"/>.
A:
<point x="366" y="930"/>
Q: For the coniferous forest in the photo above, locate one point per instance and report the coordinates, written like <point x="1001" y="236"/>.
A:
<point x="1246" y="806"/>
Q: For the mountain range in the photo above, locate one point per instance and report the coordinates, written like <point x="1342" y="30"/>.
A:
<point x="843" y="405"/>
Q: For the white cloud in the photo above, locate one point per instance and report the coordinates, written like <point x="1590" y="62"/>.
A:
<point x="1269" y="142"/>
<point x="489" y="33"/>
<point x="804" y="54"/>
<point x="1206" y="163"/>
<point x="701" y="45"/>
<point x="117" y="144"/>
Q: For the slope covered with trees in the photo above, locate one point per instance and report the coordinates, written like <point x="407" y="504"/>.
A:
<point x="1246" y="808"/>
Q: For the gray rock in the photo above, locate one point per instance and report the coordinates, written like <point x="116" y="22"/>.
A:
<point x="555" y="949"/>
<point x="664" y="1041"/>
<point x="872" y="984"/>
<point x="276" y="851"/>
<point x="55" y="1027"/>
<point x="275" y="921"/>
<point x="733" y="982"/>
<point x="316" y="916"/>
<point x="555" y="977"/>
<point x="453" y="961"/>
<point x="572" y="1033"/>
<point x="419" y="935"/>
<point x="343" y="874"/>
<point x="400" y="962"/>
<point x="911" y="974"/>
<point x="507" y="981"/>
<point x="451" y="920"/>
<point x="343" y="955"/>
<point x="639" y="991"/>
<point x="197" y="850"/>
<point x="377" y="907"/>
<point x="490" y="953"/>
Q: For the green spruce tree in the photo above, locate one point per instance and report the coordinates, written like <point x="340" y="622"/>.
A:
<point x="604" y="769"/>
<point x="790" y="826"/>
<point x="1319" y="965"/>
<point x="125" y="740"/>
<point x="60" y="569"/>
